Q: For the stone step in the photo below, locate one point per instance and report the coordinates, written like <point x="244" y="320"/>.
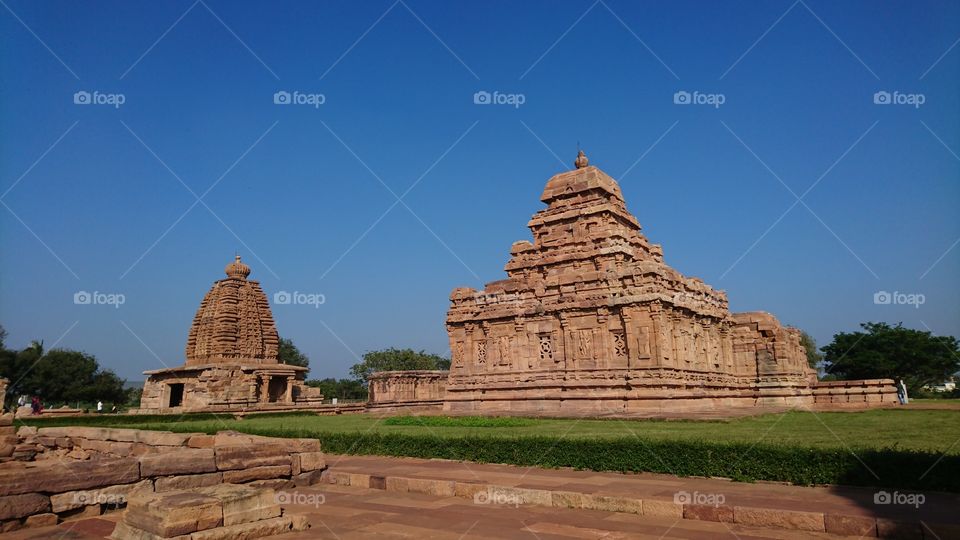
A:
<point x="775" y="506"/>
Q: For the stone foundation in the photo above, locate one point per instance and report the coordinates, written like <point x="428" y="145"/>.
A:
<point x="59" y="473"/>
<point x="855" y="394"/>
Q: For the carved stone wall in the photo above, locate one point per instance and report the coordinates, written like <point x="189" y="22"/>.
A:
<point x="407" y="389"/>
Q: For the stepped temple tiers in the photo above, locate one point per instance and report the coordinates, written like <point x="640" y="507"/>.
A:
<point x="232" y="357"/>
<point x="592" y="321"/>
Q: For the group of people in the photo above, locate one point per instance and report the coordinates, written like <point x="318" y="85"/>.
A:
<point x="36" y="406"/>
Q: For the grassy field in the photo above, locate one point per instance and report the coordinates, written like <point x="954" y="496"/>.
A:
<point x="929" y="430"/>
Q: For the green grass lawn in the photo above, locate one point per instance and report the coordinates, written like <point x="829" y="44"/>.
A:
<point x="930" y="430"/>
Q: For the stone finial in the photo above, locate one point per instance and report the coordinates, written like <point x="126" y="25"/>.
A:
<point x="581" y="160"/>
<point x="237" y="269"/>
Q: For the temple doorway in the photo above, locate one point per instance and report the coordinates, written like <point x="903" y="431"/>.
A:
<point x="176" y="394"/>
<point x="277" y="389"/>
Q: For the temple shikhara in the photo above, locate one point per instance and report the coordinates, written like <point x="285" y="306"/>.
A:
<point x="591" y="321"/>
<point x="231" y="358"/>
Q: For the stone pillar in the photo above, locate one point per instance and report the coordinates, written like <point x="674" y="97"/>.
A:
<point x="289" y="396"/>
<point x="264" y="388"/>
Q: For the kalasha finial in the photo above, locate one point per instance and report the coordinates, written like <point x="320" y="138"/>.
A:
<point x="581" y="160"/>
<point x="237" y="269"/>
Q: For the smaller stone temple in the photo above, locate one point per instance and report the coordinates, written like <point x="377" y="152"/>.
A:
<point x="232" y="359"/>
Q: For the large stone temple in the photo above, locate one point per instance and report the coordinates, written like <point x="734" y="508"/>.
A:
<point x="592" y="321"/>
<point x="232" y="359"/>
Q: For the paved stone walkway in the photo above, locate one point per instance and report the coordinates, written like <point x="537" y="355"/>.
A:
<point x="841" y="510"/>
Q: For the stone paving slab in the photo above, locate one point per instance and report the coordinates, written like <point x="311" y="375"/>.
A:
<point x="345" y="512"/>
<point x="843" y="510"/>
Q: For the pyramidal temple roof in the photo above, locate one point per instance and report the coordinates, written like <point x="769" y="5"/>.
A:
<point x="234" y="323"/>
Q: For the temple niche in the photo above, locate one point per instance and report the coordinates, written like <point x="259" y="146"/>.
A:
<point x="591" y="321"/>
<point x="231" y="357"/>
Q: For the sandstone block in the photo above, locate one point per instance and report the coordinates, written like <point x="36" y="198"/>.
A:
<point x="784" y="519"/>
<point x="662" y="509"/>
<point x="256" y="473"/>
<point x="26" y="431"/>
<point x="122" y="531"/>
<point x="8" y="430"/>
<point x="190" y="481"/>
<point x="111" y="496"/>
<point x="311" y="461"/>
<point x="182" y="461"/>
<point x="612" y="504"/>
<point x="566" y="499"/>
<point x="359" y="480"/>
<point x="41" y="520"/>
<point x="466" y="490"/>
<point x="440" y="488"/>
<point x="243" y="457"/>
<point x="266" y="528"/>
<point x="308" y="478"/>
<point x="174" y="513"/>
<point x="279" y="484"/>
<point x="707" y="512"/>
<point x="860" y="526"/>
<point x="6" y="419"/>
<point x="83" y="512"/>
<point x="200" y="441"/>
<point x="343" y="479"/>
<point x="243" y="504"/>
<point x="18" y="506"/>
<point x="58" y="476"/>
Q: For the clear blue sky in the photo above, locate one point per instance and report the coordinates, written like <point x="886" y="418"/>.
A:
<point x="297" y="189"/>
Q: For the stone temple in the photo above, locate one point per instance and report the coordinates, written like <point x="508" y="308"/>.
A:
<point x="231" y="358"/>
<point x="592" y="321"/>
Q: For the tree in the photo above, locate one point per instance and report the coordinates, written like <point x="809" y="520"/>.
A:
<point x="892" y="352"/>
<point x="814" y="356"/>
<point x="288" y="353"/>
<point x="340" y="388"/>
<point x="397" y="360"/>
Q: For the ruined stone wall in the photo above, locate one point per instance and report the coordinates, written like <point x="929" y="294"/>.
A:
<point x="854" y="394"/>
<point x="82" y="471"/>
<point x="421" y="389"/>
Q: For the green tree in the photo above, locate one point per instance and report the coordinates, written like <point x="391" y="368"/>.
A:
<point x="882" y="351"/>
<point x="397" y="360"/>
<point x="288" y="353"/>
<point x="814" y="356"/>
<point x="340" y="388"/>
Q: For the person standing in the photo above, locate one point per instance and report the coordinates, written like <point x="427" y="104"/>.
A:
<point x="99" y="406"/>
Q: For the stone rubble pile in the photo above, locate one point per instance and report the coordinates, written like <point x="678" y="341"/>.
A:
<point x="65" y="472"/>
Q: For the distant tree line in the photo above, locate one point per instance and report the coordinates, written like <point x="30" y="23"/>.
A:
<point x="58" y="376"/>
